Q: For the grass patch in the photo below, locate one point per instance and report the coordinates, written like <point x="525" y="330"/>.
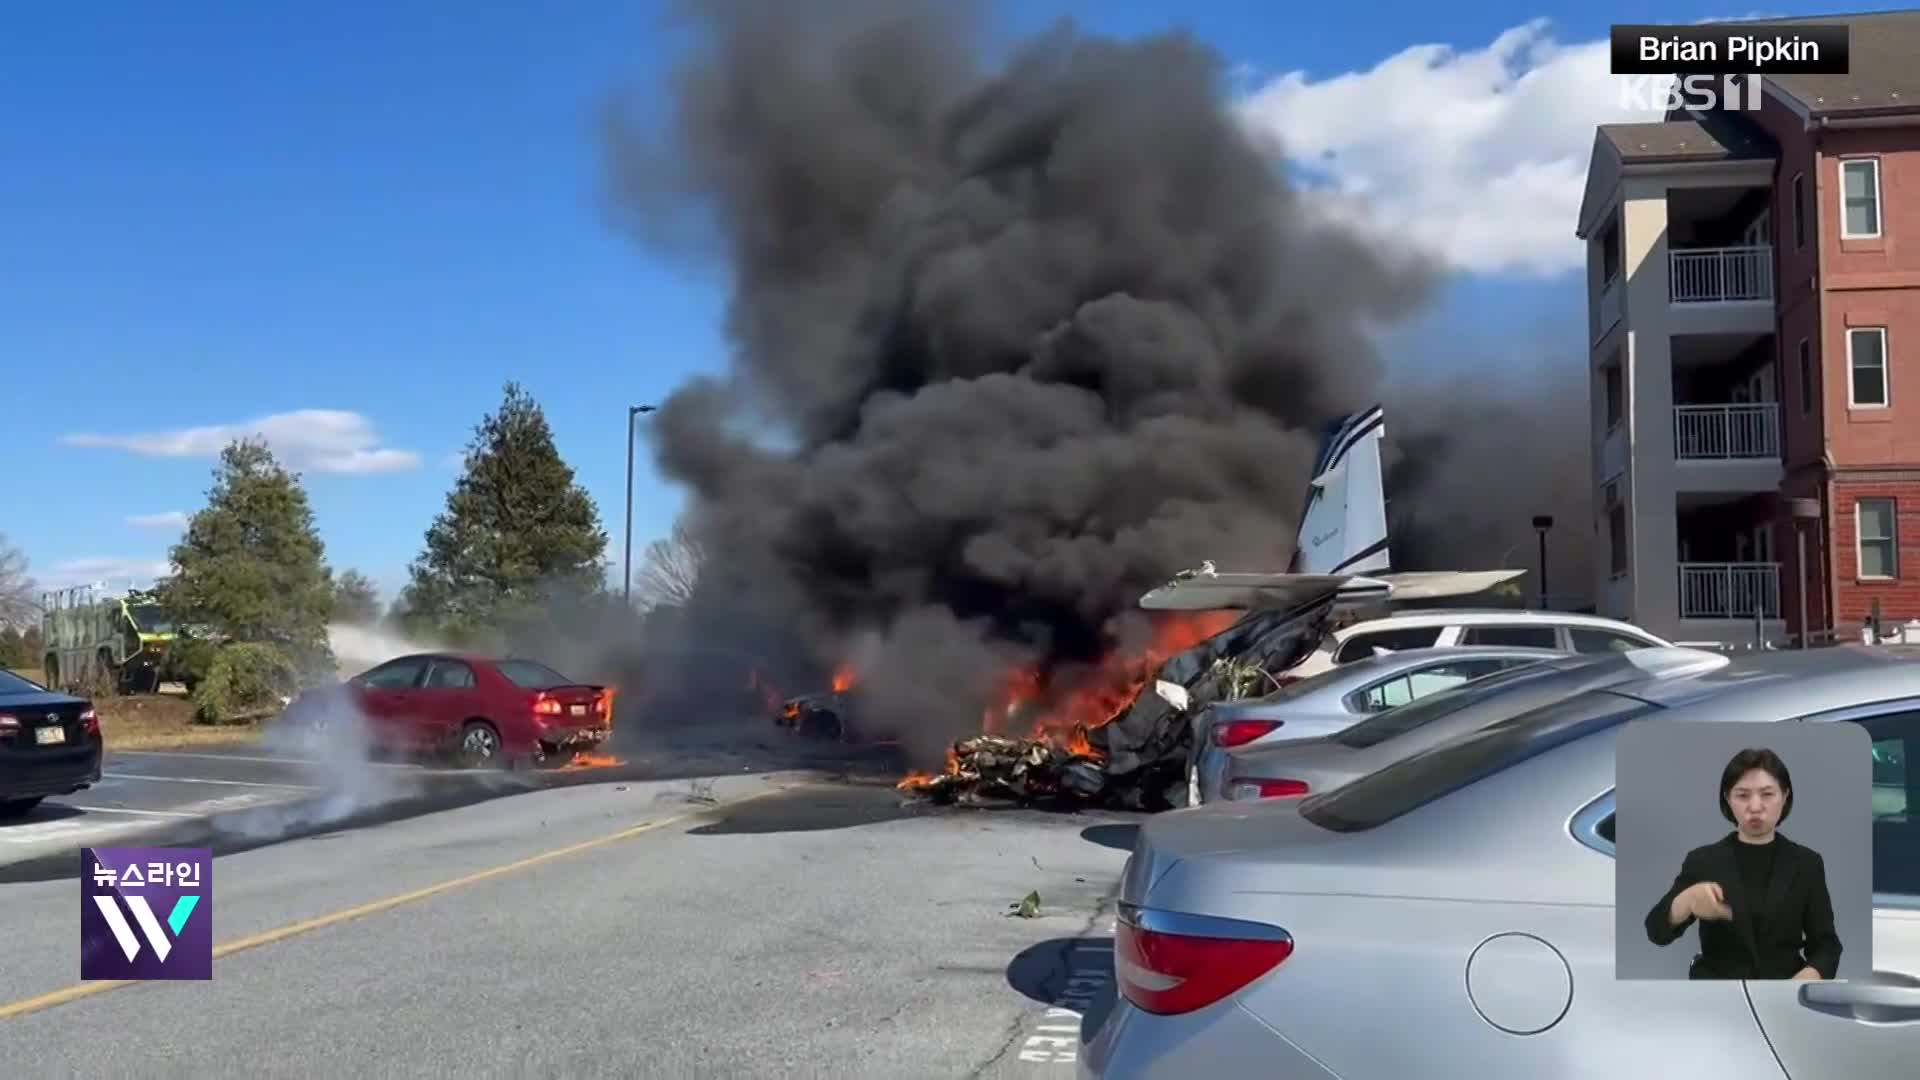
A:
<point x="159" y="722"/>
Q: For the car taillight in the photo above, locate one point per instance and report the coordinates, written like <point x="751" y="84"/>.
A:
<point x="1242" y="732"/>
<point x="1169" y="963"/>
<point x="90" y="721"/>
<point x="9" y="727"/>
<point x="545" y="706"/>
<point x="1241" y="787"/>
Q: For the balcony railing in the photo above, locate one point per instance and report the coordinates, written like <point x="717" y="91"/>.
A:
<point x="1717" y="275"/>
<point x="1726" y="432"/>
<point x="1730" y="590"/>
<point x="1607" y="311"/>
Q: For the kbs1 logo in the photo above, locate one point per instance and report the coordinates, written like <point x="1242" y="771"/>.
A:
<point x="1663" y="94"/>
<point x="146" y="913"/>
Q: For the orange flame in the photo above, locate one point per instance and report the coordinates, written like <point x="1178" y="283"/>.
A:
<point x="593" y="761"/>
<point x="1061" y="708"/>
<point x="843" y="679"/>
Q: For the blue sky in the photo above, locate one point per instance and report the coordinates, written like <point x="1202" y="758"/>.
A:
<point x="220" y="212"/>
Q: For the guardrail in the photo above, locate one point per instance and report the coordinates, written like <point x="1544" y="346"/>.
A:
<point x="1720" y="274"/>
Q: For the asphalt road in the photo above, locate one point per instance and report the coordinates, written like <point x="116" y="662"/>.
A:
<point x="230" y="797"/>
<point x="611" y="928"/>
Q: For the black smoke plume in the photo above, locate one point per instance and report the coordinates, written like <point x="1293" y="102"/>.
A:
<point x="1015" y="336"/>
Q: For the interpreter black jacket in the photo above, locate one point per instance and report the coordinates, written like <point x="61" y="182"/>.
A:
<point x="1796" y="912"/>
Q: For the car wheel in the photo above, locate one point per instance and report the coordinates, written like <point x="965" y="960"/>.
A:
<point x="479" y="746"/>
<point x="13" y="808"/>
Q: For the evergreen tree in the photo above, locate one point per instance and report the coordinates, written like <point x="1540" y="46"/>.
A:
<point x="355" y="599"/>
<point x="517" y="531"/>
<point x="251" y="566"/>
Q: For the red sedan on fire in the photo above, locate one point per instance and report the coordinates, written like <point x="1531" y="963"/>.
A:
<point x="483" y="711"/>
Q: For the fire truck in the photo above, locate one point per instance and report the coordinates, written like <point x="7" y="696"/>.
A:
<point x="96" y="640"/>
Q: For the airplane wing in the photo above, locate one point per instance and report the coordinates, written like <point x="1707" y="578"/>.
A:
<point x="1204" y="591"/>
<point x="1216" y="592"/>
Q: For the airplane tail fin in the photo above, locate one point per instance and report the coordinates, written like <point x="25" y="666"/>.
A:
<point x="1343" y="527"/>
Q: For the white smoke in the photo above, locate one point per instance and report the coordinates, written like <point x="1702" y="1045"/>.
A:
<point x="358" y="647"/>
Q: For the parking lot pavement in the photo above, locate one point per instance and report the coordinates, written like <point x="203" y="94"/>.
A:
<point x="230" y="798"/>
<point x="616" y="929"/>
<point x="145" y="791"/>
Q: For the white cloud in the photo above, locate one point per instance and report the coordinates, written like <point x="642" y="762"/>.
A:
<point x="168" y="519"/>
<point x="308" y="440"/>
<point x="113" y="570"/>
<point x="1478" y="156"/>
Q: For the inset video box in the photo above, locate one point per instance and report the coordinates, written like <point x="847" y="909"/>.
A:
<point x="1732" y="49"/>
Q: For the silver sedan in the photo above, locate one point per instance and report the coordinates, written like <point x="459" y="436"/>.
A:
<point x="1319" y="765"/>
<point x="1333" y="701"/>
<point x="1453" y="914"/>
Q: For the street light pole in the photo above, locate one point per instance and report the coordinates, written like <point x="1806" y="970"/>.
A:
<point x="626" y="563"/>
<point x="1541" y="523"/>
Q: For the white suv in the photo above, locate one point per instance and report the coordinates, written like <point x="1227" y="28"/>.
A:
<point x="1440" y="628"/>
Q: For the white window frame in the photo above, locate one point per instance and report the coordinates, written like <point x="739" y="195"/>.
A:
<point x="1879" y="201"/>
<point x="1860" y="541"/>
<point x="1886" y="381"/>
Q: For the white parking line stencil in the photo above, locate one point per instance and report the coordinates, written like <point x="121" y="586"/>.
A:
<point x="1055" y="1040"/>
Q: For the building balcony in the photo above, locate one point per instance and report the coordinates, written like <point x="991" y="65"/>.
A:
<point x="1727" y="449"/>
<point x="1730" y="432"/>
<point x="1720" y="275"/>
<point x="1730" y="590"/>
<point x="1606" y="312"/>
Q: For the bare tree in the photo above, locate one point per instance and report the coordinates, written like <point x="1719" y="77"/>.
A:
<point x="19" y="599"/>
<point x="668" y="570"/>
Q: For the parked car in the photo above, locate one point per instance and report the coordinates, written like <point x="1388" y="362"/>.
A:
<point x="1331" y="702"/>
<point x="1561" y="631"/>
<point x="1311" y="766"/>
<point x="50" y="744"/>
<point x="483" y="711"/>
<point x="1469" y="892"/>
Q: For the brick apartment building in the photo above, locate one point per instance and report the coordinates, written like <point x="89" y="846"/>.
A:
<point x="1754" y="325"/>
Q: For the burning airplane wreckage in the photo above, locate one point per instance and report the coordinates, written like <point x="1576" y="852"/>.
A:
<point x="1123" y="740"/>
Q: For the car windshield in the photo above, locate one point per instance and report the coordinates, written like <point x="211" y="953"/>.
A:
<point x="528" y="675"/>
<point x="1407" y="785"/>
<point x="151" y="618"/>
<point x="14" y="684"/>
<point x="1380" y="727"/>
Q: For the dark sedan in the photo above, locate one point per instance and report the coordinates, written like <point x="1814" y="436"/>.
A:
<point x="49" y="744"/>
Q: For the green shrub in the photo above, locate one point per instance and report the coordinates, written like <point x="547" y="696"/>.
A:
<point x="244" y="681"/>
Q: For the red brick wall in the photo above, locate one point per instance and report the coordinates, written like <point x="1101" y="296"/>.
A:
<point x="1853" y="598"/>
<point x="1796" y="283"/>
<point x="1874" y="282"/>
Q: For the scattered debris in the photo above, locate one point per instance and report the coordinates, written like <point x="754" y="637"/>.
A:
<point x="701" y="791"/>
<point x="1137" y="759"/>
<point x="1027" y="908"/>
<point x="998" y="767"/>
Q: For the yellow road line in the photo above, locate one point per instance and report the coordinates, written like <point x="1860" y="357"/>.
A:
<point x="268" y="937"/>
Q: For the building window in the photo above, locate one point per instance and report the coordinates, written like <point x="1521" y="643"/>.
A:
<point x="1877" y="538"/>
<point x="1867" y="366"/>
<point x="1799" y="210"/>
<point x="1860" y="198"/>
<point x="1617" y="540"/>
<point x="1615" y="391"/>
<point x="1806" y="379"/>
